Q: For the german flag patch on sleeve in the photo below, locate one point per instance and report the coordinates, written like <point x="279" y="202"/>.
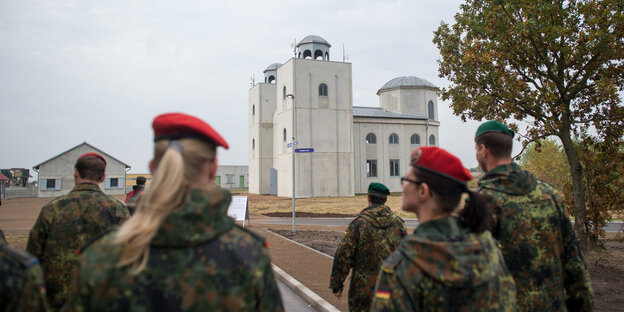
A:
<point x="382" y="294"/>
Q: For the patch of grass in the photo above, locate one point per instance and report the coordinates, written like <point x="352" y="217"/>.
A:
<point x="18" y="241"/>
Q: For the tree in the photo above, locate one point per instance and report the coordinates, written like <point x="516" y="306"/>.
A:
<point x="548" y="162"/>
<point x="556" y="66"/>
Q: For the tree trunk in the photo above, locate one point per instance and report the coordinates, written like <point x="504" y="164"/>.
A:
<point x="576" y="171"/>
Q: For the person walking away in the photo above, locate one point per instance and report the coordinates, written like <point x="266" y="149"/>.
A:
<point x="530" y="223"/>
<point x="132" y="198"/>
<point x="180" y="251"/>
<point x="369" y="239"/>
<point x="21" y="280"/>
<point x="71" y="220"/>
<point x="450" y="262"/>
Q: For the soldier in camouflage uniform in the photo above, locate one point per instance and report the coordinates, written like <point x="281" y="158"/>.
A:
<point x="21" y="280"/>
<point x="71" y="220"/>
<point x="536" y="237"/>
<point x="450" y="262"/>
<point x="369" y="239"/>
<point x="180" y="251"/>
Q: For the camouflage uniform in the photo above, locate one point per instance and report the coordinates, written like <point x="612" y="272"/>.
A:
<point x="63" y="226"/>
<point x="199" y="260"/>
<point x="21" y="280"/>
<point x="368" y="240"/>
<point x="445" y="267"/>
<point x="537" y="241"/>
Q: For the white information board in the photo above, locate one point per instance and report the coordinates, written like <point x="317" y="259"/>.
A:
<point x="238" y="209"/>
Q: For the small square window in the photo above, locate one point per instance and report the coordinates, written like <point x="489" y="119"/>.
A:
<point x="50" y="184"/>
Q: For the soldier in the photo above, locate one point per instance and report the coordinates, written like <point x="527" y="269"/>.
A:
<point x="369" y="239"/>
<point x="180" y="250"/>
<point x="133" y="197"/>
<point x="21" y="280"/>
<point x="450" y="262"/>
<point x="69" y="221"/>
<point x="529" y="222"/>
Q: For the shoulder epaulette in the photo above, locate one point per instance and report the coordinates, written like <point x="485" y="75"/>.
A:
<point x="253" y="234"/>
<point x="80" y="250"/>
<point x="24" y="258"/>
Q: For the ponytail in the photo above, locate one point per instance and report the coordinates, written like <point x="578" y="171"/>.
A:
<point x="477" y="214"/>
<point x="177" y="164"/>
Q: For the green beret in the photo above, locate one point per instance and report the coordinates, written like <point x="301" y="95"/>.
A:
<point x="493" y="126"/>
<point x="378" y="188"/>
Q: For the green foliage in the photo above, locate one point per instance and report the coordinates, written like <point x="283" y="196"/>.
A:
<point x="555" y="66"/>
<point x="547" y="160"/>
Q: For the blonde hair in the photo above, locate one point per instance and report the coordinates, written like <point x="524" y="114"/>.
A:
<point x="174" y="174"/>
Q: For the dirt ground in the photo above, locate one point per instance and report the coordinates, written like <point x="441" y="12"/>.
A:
<point x="606" y="268"/>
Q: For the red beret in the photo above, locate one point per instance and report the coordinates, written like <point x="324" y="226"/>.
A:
<point x="174" y="126"/>
<point x="93" y="154"/>
<point x="439" y="161"/>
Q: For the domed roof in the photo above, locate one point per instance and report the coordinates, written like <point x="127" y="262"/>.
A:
<point x="273" y="66"/>
<point x="313" y="39"/>
<point x="406" y="81"/>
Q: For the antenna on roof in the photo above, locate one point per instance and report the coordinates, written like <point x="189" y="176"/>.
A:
<point x="294" y="46"/>
<point x="344" y="57"/>
<point x="253" y="79"/>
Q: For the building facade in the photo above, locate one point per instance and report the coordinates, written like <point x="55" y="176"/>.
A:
<point x="56" y="175"/>
<point x="232" y="177"/>
<point x="302" y="118"/>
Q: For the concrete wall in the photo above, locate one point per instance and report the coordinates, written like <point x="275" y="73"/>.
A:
<point x="61" y="168"/>
<point x="235" y="173"/>
<point x="19" y="192"/>
<point x="262" y="104"/>
<point x="383" y="151"/>
<point x="410" y="100"/>
<point x="322" y="123"/>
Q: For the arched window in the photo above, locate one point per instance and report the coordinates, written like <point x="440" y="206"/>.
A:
<point x="430" y="110"/>
<point x="271" y="79"/>
<point x="253" y="110"/>
<point x="323" y="89"/>
<point x="432" y="140"/>
<point x="371" y="138"/>
<point x="415" y="139"/>
<point x="284" y="93"/>
<point x="307" y="54"/>
<point x="327" y="56"/>
<point x="394" y="139"/>
<point x="317" y="54"/>
<point x="284" y="139"/>
<point x="253" y="144"/>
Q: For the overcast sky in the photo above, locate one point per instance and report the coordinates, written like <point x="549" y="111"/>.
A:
<point x="100" y="71"/>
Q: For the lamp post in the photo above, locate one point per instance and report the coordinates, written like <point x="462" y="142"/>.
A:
<point x="292" y="97"/>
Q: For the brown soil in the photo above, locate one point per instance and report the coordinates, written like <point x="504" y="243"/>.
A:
<point x="308" y="215"/>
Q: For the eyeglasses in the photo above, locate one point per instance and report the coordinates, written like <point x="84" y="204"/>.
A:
<point x="404" y="180"/>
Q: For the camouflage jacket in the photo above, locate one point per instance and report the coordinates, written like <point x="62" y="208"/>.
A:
<point x="199" y="260"/>
<point x="368" y="240"/>
<point x="537" y="241"/>
<point x="21" y="280"/>
<point x="63" y="226"/>
<point x="444" y="267"/>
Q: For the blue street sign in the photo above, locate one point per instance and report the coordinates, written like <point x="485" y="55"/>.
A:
<point x="289" y="145"/>
<point x="304" y="150"/>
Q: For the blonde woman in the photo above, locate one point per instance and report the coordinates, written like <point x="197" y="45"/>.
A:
<point x="180" y="251"/>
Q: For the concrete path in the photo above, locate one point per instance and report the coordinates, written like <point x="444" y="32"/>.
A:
<point x="292" y="302"/>
<point x="611" y="227"/>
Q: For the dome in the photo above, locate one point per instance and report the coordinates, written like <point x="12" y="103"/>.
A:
<point x="313" y="39"/>
<point x="406" y="81"/>
<point x="273" y="66"/>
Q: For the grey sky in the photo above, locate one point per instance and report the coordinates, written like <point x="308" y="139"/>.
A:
<point x="99" y="71"/>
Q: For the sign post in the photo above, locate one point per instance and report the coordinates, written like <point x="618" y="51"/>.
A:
<point x="239" y="209"/>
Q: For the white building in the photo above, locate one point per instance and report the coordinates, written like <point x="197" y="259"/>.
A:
<point x="340" y="148"/>
<point x="232" y="177"/>
<point x="56" y="175"/>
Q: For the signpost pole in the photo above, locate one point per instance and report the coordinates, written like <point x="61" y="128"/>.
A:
<point x="292" y="97"/>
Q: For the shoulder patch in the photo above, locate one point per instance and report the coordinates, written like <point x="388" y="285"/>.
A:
<point x="80" y="250"/>
<point x="258" y="237"/>
<point x="391" y="262"/>
<point x="24" y="258"/>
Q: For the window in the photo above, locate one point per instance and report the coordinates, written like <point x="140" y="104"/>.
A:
<point x="50" y="184"/>
<point x="253" y="144"/>
<point x="322" y="89"/>
<point x="253" y="110"/>
<point x="432" y="140"/>
<point x="113" y="183"/>
<point x="230" y="178"/>
<point x="394" y="139"/>
<point x="394" y="168"/>
<point x="430" y="110"/>
<point x="284" y="139"/>
<point x="371" y="138"/>
<point x="371" y="168"/>
<point x="284" y="93"/>
<point x="415" y="139"/>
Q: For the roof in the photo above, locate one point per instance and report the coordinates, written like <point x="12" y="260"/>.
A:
<point x="378" y="112"/>
<point x="313" y="39"/>
<point x="273" y="66"/>
<point x="406" y="81"/>
<point x="99" y="151"/>
<point x="3" y="177"/>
